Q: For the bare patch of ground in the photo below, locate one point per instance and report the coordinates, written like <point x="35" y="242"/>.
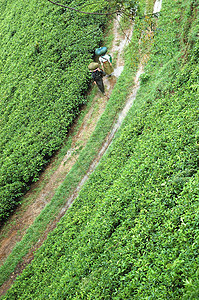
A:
<point x="42" y="192"/>
<point x="25" y="215"/>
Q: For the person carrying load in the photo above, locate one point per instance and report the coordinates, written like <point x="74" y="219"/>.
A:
<point x="97" y="75"/>
<point x="105" y="60"/>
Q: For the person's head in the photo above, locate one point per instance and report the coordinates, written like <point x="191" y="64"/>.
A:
<point x="93" y="65"/>
<point x="101" y="51"/>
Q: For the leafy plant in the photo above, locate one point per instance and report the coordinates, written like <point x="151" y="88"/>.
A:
<point x="133" y="231"/>
<point x="44" y="79"/>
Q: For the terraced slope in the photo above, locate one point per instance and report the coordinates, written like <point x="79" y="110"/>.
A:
<point x="132" y="233"/>
<point x="45" y="51"/>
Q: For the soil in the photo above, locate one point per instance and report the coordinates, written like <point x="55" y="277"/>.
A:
<point x="42" y="191"/>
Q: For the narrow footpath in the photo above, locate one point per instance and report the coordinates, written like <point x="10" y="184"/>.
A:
<point x="53" y="177"/>
<point x="26" y="214"/>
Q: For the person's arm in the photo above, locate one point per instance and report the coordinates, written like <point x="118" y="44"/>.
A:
<point x="108" y="58"/>
<point x="101" y="63"/>
<point x="102" y="72"/>
<point x="93" y="77"/>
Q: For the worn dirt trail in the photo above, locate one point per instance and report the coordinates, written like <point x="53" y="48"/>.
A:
<point x="42" y="192"/>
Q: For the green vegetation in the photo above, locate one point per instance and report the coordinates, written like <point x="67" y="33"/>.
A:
<point x="44" y="52"/>
<point x="133" y="231"/>
<point x="116" y="102"/>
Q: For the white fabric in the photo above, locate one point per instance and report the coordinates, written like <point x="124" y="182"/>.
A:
<point x="104" y="58"/>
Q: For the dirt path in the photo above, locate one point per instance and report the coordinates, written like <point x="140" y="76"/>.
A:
<point x="47" y="184"/>
<point x="43" y="191"/>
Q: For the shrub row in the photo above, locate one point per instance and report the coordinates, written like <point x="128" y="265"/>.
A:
<point x="44" y="51"/>
<point x="133" y="231"/>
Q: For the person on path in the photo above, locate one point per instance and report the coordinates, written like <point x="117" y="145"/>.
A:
<point x="97" y="76"/>
<point x="106" y="63"/>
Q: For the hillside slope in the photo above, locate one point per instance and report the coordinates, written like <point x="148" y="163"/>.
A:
<point x="18" y="229"/>
<point x="133" y="231"/>
<point x="45" y="51"/>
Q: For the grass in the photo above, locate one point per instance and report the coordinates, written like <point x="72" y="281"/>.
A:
<point x="132" y="231"/>
<point x="104" y="125"/>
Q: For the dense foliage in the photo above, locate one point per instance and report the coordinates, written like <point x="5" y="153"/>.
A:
<point x="133" y="231"/>
<point x="44" y="53"/>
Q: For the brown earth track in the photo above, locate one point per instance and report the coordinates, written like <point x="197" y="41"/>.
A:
<point x="25" y="216"/>
<point x="42" y="191"/>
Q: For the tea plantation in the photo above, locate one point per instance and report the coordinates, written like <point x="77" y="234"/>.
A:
<point x="133" y="231"/>
<point x="44" y="51"/>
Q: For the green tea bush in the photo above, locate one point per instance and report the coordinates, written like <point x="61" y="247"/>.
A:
<point x="44" y="77"/>
<point x="132" y="233"/>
